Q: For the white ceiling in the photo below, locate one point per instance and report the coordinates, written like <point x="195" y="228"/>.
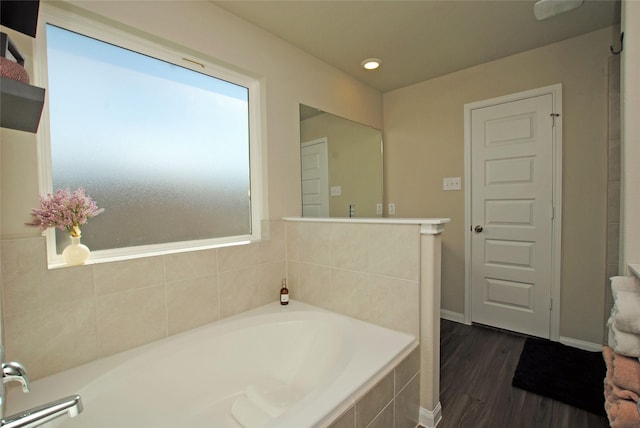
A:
<point x="417" y="40"/>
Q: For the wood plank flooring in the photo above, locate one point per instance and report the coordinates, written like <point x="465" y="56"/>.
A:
<point x="477" y="365"/>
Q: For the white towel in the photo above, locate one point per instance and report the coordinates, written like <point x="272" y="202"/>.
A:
<point x="626" y="312"/>
<point x="623" y="343"/>
<point x="624" y="283"/>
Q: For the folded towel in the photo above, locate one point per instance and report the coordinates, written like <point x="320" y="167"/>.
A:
<point x="624" y="283"/>
<point x="626" y="313"/>
<point x="623" y="414"/>
<point x="623" y="343"/>
<point x="626" y="373"/>
<point x="624" y="394"/>
<point x="608" y="355"/>
<point x="614" y="392"/>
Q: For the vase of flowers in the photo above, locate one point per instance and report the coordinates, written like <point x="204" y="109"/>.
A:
<point x="76" y="253"/>
<point x="67" y="210"/>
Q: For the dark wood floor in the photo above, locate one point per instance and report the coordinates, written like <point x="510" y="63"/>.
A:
<point x="477" y="365"/>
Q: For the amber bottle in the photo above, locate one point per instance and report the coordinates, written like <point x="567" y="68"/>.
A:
<point x="284" y="293"/>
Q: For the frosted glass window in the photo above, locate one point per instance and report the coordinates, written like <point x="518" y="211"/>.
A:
<point x="162" y="148"/>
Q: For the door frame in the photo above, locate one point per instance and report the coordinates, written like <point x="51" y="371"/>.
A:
<point x="556" y="93"/>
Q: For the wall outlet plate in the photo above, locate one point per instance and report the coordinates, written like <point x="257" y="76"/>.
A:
<point x="378" y="208"/>
<point x="392" y="208"/>
<point x="336" y="190"/>
<point x="452" y="183"/>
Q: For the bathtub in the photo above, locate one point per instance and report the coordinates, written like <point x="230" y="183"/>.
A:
<point x="276" y="366"/>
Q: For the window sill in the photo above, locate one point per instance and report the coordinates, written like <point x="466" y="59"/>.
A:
<point x="131" y="253"/>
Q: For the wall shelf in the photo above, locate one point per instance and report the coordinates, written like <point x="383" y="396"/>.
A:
<point x="20" y="105"/>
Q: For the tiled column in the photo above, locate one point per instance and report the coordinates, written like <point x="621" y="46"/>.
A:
<point x="430" y="257"/>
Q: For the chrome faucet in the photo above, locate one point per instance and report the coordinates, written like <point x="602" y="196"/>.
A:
<point x="15" y="372"/>
<point x="11" y="372"/>
<point x="37" y="416"/>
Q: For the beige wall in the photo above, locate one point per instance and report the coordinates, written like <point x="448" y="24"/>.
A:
<point x="355" y="162"/>
<point x="630" y="226"/>
<point x="424" y="142"/>
<point x="289" y="77"/>
<point x="56" y="319"/>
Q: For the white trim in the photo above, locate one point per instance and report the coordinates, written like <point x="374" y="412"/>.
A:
<point x="453" y="316"/>
<point x="431" y="229"/>
<point x="430" y="418"/>
<point x="581" y="344"/>
<point x="428" y="226"/>
<point x="101" y="30"/>
<point x="556" y="93"/>
<point x="372" y="220"/>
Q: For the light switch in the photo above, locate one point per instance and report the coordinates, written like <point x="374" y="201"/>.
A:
<point x="452" y="183"/>
<point x="336" y="190"/>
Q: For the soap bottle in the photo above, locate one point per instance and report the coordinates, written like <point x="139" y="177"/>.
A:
<point x="284" y="293"/>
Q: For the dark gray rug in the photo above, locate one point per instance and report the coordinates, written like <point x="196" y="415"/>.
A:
<point x="564" y="373"/>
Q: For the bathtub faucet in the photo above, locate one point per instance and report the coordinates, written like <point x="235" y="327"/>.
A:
<point x="15" y="372"/>
<point x="37" y="416"/>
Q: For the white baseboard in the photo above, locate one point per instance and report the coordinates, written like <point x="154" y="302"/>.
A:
<point x="581" y="344"/>
<point x="452" y="316"/>
<point x="430" y="418"/>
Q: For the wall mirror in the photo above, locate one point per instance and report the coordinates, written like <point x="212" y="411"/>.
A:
<point x="341" y="166"/>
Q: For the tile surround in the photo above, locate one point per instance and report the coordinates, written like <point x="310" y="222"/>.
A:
<point x="370" y="272"/>
<point x="192" y="303"/>
<point x="366" y="271"/>
<point x="129" y="319"/>
<point x="392" y="402"/>
<point x="374" y="401"/>
<point x="61" y="318"/>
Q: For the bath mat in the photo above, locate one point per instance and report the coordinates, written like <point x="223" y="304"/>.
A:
<point x="563" y="373"/>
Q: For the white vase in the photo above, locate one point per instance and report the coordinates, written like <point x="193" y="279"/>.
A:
<point x="76" y="253"/>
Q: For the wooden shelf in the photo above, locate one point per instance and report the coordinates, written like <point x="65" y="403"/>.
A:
<point x="20" y="105"/>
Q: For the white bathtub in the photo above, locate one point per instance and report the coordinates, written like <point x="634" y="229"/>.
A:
<point x="277" y="366"/>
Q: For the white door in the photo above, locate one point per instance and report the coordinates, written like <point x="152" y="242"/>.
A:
<point x="315" y="178"/>
<point x="512" y="214"/>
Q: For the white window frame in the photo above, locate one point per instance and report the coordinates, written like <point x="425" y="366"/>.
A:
<point x="84" y="25"/>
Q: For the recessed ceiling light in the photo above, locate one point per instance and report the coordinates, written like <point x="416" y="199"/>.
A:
<point x="371" y="63"/>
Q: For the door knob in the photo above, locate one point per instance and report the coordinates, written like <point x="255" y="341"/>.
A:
<point x="478" y="229"/>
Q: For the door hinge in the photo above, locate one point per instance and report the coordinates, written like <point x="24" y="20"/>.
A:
<point x="553" y="119"/>
<point x="550" y="303"/>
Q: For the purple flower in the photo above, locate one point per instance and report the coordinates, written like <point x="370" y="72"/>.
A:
<point x="64" y="210"/>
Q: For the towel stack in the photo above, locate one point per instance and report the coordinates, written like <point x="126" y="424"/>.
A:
<point x="622" y="383"/>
